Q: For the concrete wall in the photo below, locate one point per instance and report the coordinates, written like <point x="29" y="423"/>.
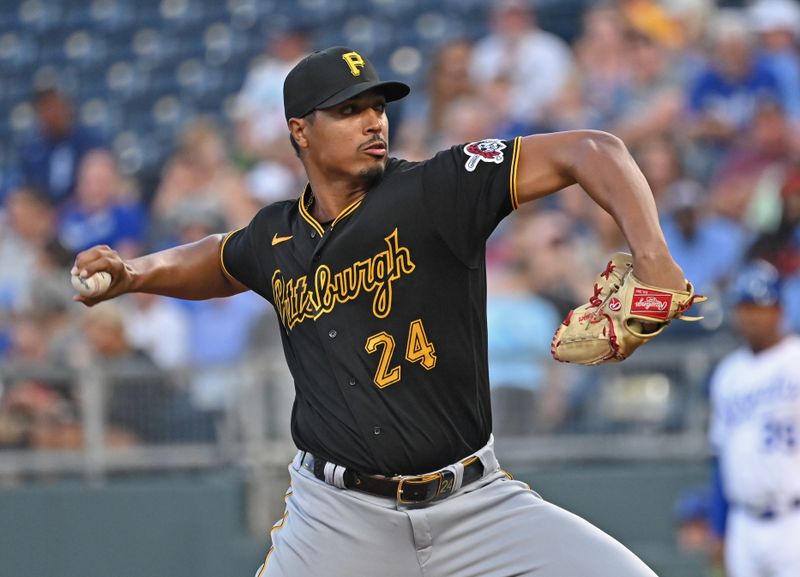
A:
<point x="195" y="525"/>
<point x="168" y="527"/>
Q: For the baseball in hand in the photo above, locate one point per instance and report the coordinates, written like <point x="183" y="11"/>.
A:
<point x="92" y="286"/>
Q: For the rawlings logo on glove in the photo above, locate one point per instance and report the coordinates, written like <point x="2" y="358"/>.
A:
<point x="622" y="315"/>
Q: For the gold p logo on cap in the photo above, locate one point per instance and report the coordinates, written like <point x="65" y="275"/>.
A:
<point x="354" y="62"/>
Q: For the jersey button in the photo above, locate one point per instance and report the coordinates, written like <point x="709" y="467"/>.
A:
<point x="332" y="333"/>
<point x="376" y="430"/>
<point x="313" y="234"/>
<point x="352" y="382"/>
<point x="315" y="258"/>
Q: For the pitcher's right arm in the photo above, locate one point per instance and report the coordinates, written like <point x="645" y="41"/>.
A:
<point x="190" y="271"/>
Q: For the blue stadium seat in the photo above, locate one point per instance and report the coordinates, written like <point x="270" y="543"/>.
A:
<point x="119" y="58"/>
<point x="222" y="45"/>
<point x="110" y="15"/>
<point x="181" y="14"/>
<point x="125" y="80"/>
<point x="51" y="46"/>
<point x="39" y="15"/>
<point x="168" y="112"/>
<point x="162" y="78"/>
<point x="101" y="115"/>
<point x="151" y="46"/>
<point x="84" y="47"/>
<point x="147" y="13"/>
<point x="76" y="15"/>
<point x="21" y="118"/>
<point x="195" y="78"/>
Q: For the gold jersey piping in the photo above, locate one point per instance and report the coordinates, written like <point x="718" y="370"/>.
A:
<point x="512" y="177"/>
<point x="225" y="270"/>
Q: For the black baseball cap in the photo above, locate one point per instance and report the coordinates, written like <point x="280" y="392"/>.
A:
<point x="329" y="77"/>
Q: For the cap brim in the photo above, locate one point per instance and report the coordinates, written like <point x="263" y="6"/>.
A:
<point x="391" y="89"/>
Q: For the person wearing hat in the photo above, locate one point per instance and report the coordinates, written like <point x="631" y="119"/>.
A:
<point x="377" y="274"/>
<point x="755" y="434"/>
<point x="777" y="24"/>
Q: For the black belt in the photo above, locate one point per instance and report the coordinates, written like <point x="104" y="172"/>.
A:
<point x="406" y="490"/>
<point x="768" y="513"/>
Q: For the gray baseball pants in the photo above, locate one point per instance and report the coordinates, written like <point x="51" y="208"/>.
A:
<point x="493" y="527"/>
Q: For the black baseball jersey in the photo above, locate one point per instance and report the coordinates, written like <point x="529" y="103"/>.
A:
<point x="383" y="311"/>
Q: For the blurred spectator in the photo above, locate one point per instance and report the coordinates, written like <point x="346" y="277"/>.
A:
<point x="544" y="243"/>
<point x="570" y="109"/>
<point x="261" y="125"/>
<point x="707" y="247"/>
<point x="160" y="327"/>
<point x="534" y="62"/>
<point x="102" y="211"/>
<point x="781" y="247"/>
<point x="29" y="224"/>
<point x="41" y="328"/>
<point x="654" y="96"/>
<point x="50" y="161"/>
<point x="691" y="17"/>
<point x="448" y="82"/>
<point x="691" y="514"/>
<point x="30" y="338"/>
<point x="261" y="135"/>
<point x="219" y="335"/>
<point x="723" y="98"/>
<point x="602" y="57"/>
<point x="465" y="120"/>
<point x="49" y="302"/>
<point x="660" y="160"/>
<point x="141" y="406"/>
<point x="200" y="174"/>
<point x="219" y="342"/>
<point x="37" y="407"/>
<point x="650" y="19"/>
<point x="34" y="415"/>
<point x="746" y="183"/>
<point x="270" y="181"/>
<point x="529" y="391"/>
<point x="600" y="240"/>
<point x="777" y="23"/>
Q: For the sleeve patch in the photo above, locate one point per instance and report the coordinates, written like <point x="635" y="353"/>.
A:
<point x="488" y="150"/>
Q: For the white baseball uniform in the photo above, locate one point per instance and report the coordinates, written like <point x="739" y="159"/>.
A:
<point x="755" y="431"/>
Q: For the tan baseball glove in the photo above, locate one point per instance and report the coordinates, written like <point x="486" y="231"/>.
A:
<point x="622" y="315"/>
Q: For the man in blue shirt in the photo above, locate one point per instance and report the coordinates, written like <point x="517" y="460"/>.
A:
<point x="50" y="161"/>
<point x="722" y="98"/>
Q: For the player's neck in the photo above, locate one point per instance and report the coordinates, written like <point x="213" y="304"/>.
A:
<point x="330" y="198"/>
<point x="766" y="343"/>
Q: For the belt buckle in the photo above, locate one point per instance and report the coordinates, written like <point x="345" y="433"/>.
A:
<point x="437" y="485"/>
<point x="429" y="493"/>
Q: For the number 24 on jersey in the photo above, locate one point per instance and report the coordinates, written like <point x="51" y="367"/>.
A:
<point x="418" y="350"/>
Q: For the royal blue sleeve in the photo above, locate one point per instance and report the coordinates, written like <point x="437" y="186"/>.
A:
<point x="719" y="503"/>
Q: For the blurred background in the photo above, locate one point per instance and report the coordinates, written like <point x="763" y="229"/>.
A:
<point x="150" y="435"/>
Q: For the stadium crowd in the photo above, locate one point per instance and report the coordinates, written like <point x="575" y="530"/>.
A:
<point x="707" y="99"/>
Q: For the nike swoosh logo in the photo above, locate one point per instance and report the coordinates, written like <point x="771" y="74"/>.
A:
<point x="279" y="239"/>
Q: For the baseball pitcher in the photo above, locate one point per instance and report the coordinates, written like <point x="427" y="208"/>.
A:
<point x="377" y="274"/>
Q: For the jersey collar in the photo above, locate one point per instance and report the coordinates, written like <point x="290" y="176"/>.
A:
<point x="303" y="201"/>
